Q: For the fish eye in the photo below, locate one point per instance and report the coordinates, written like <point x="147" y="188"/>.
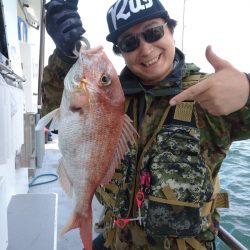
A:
<point x="105" y="80"/>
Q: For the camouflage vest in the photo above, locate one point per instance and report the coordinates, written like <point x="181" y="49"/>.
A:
<point x="166" y="167"/>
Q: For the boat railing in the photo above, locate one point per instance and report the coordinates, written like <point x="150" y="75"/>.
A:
<point x="230" y="240"/>
<point x="9" y="73"/>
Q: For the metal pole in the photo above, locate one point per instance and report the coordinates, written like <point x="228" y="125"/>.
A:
<point x="40" y="136"/>
<point x="183" y="24"/>
<point x="41" y="55"/>
<point x="230" y="241"/>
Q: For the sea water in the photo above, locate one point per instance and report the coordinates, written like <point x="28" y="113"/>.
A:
<point x="235" y="179"/>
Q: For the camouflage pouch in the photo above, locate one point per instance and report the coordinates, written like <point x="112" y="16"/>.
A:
<point x="165" y="220"/>
<point x="180" y="183"/>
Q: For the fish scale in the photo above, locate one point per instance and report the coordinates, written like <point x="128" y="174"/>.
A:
<point x="94" y="133"/>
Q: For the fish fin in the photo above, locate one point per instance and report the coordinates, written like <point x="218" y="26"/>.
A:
<point x="64" y="179"/>
<point x="128" y="136"/>
<point x="74" y="222"/>
<point x="129" y="131"/>
<point x="54" y="123"/>
<point x="84" y="222"/>
<point x="47" y="118"/>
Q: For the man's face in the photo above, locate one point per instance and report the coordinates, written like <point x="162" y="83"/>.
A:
<point x="151" y="62"/>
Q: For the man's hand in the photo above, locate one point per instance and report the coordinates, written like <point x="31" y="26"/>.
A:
<point x="63" y="24"/>
<point x="222" y="93"/>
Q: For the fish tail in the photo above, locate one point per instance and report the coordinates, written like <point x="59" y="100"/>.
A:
<point x="86" y="230"/>
<point x="84" y="222"/>
<point x="74" y="222"/>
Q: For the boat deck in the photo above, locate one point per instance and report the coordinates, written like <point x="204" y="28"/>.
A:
<point x="71" y="240"/>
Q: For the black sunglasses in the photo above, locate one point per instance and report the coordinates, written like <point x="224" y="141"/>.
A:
<point x="132" y="42"/>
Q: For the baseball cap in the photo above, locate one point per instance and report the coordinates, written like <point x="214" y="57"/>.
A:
<point x="124" y="14"/>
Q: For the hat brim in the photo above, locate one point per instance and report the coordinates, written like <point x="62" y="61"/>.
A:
<point x="113" y="36"/>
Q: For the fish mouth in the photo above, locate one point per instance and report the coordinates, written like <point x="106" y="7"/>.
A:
<point x="79" y="97"/>
<point x="82" y="86"/>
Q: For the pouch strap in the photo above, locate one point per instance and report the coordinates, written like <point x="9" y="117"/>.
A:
<point x="106" y="197"/>
<point x="181" y="244"/>
<point x="220" y="201"/>
<point x="193" y="79"/>
<point x="110" y="233"/>
<point x="112" y="187"/>
<point x="145" y="149"/>
<point x="110" y="238"/>
<point x="173" y="202"/>
<point x="117" y="176"/>
<point x="171" y="199"/>
<point x="195" y="244"/>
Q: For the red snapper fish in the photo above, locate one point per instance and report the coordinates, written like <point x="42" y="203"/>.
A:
<point x="94" y="133"/>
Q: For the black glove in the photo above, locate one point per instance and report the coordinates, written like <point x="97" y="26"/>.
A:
<point x="64" y="25"/>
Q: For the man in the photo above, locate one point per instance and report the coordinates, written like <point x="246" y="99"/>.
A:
<point x="166" y="191"/>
